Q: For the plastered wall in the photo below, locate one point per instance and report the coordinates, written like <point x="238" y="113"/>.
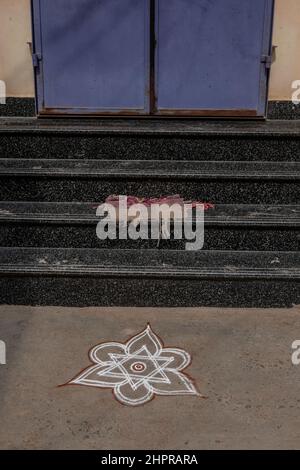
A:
<point x="15" y="59"/>
<point x="287" y="37"/>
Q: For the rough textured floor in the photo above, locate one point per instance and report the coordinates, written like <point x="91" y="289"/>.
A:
<point x="241" y="362"/>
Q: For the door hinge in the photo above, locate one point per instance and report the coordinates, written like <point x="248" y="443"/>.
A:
<point x="267" y="60"/>
<point x="36" y="59"/>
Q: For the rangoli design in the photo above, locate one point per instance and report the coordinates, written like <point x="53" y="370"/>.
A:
<point x="138" y="370"/>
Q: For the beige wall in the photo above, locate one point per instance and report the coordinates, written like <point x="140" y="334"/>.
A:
<point x="15" y="60"/>
<point x="287" y="37"/>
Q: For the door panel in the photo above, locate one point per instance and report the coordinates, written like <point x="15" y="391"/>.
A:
<point x="209" y="56"/>
<point x="95" y="56"/>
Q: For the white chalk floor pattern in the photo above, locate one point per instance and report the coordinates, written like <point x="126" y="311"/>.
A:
<point x="138" y="370"/>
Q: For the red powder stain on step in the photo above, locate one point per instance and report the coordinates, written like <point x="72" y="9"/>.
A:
<point x="148" y="202"/>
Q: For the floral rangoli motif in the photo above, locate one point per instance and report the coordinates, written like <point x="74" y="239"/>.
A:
<point x="138" y="370"/>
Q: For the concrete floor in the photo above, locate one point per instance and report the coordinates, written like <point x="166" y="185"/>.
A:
<point x="241" y="363"/>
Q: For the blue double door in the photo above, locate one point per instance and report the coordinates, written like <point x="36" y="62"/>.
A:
<point x="152" y="57"/>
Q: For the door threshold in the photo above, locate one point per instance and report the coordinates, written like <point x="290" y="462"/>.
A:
<point x="150" y="117"/>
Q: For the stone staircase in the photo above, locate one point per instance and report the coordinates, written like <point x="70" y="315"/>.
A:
<point x="53" y="173"/>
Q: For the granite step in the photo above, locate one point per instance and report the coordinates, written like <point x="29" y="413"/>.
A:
<point x="177" y="139"/>
<point x="218" y="182"/>
<point x="82" y="277"/>
<point x="227" y="227"/>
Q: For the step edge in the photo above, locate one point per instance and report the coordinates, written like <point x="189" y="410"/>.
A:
<point x="211" y="222"/>
<point x="31" y="126"/>
<point x="116" y="271"/>
<point x="234" y="175"/>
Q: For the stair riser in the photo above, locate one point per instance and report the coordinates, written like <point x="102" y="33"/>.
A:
<point x="45" y="189"/>
<point x="136" y="292"/>
<point x="84" y="236"/>
<point x="150" y="147"/>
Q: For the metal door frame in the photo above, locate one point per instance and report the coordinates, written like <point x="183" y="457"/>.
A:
<point x="151" y="70"/>
<point x="37" y="50"/>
